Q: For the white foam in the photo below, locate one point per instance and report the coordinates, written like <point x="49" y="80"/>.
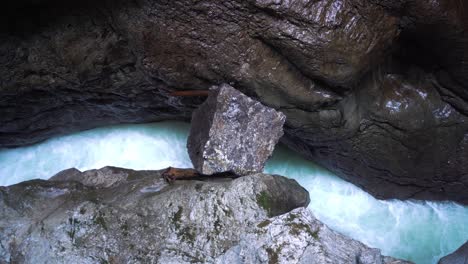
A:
<point x="152" y="146"/>
<point x="418" y="231"/>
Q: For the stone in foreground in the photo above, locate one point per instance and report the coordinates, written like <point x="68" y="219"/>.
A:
<point x="232" y="132"/>
<point x="460" y="256"/>
<point x="115" y="215"/>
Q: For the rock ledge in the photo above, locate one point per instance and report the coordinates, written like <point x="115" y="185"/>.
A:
<point x="115" y="215"/>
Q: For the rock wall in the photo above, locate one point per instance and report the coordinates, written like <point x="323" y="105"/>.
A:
<point x="374" y="90"/>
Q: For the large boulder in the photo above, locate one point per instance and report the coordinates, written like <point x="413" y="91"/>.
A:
<point x="140" y="218"/>
<point x="232" y="132"/>
<point x="137" y="218"/>
<point x="460" y="256"/>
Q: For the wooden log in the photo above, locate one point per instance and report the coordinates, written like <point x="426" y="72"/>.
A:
<point x="173" y="174"/>
<point x="190" y="93"/>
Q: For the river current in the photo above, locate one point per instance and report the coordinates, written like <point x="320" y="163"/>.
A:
<point x="420" y="231"/>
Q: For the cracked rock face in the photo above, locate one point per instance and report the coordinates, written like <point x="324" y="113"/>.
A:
<point x="140" y="218"/>
<point x="232" y="132"/>
<point x="374" y="90"/>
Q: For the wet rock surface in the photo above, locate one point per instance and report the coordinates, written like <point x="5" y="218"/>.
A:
<point x="142" y="218"/>
<point x="460" y="256"/>
<point x="374" y="90"/>
<point x="231" y="132"/>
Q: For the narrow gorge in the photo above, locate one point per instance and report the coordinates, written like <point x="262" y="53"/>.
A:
<point x="419" y="231"/>
<point x="375" y="102"/>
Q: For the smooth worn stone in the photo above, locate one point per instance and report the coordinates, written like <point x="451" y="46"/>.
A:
<point x="232" y="132"/>
<point x="102" y="178"/>
<point x="141" y="218"/>
<point x="460" y="256"/>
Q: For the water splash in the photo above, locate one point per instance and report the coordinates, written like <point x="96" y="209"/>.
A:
<point x="418" y="231"/>
<point x="140" y="147"/>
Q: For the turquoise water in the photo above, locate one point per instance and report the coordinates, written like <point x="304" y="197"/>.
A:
<point x="418" y="231"/>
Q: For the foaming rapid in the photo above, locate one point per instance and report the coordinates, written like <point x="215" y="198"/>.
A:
<point x="422" y="232"/>
<point x="418" y="231"/>
<point x="139" y="147"/>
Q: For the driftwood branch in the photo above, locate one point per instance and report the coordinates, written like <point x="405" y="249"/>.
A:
<point x="190" y="93"/>
<point x="173" y="174"/>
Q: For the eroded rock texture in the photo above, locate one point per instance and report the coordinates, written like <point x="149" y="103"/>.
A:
<point x="115" y="215"/>
<point x="298" y="237"/>
<point x="231" y="132"/>
<point x="374" y="90"/>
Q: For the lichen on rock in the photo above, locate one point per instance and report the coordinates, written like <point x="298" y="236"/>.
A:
<point x="298" y="237"/>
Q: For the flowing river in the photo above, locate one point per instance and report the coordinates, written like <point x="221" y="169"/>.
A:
<point x="418" y="231"/>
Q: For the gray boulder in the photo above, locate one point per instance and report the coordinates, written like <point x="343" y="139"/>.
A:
<point x="231" y="132"/>
<point x="140" y="218"/>
<point x="460" y="256"/>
